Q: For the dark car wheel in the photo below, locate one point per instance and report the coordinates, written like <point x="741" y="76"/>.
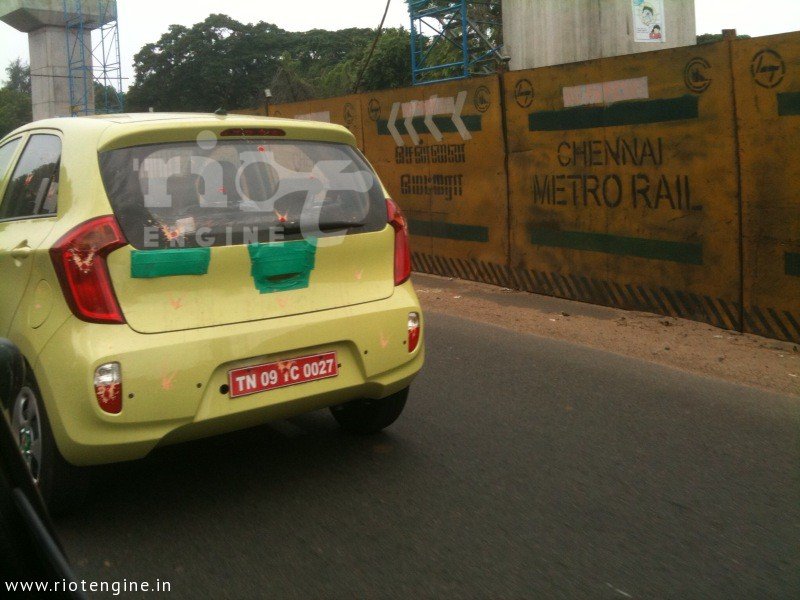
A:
<point x="370" y="416"/>
<point x="63" y="486"/>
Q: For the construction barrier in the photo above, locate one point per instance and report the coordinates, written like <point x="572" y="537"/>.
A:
<point x="440" y="151"/>
<point x="767" y="75"/>
<point x="248" y="111"/>
<point x="664" y="181"/>
<point x="345" y="111"/>
<point x="622" y="190"/>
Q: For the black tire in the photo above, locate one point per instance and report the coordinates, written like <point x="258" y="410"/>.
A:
<point x="364" y="417"/>
<point x="63" y="486"/>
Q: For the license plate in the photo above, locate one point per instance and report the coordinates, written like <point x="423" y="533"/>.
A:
<point x="282" y="373"/>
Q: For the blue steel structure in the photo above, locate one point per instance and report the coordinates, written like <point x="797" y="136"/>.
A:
<point x="94" y="66"/>
<point x="451" y="39"/>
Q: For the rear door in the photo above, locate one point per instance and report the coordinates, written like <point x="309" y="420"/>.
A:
<point x="27" y="212"/>
<point x="242" y="230"/>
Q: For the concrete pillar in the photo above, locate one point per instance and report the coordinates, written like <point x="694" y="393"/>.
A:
<point x="44" y="22"/>
<point x="538" y="33"/>
<point x="50" y="73"/>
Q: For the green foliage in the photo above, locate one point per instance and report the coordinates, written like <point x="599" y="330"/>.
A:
<point x="710" y="38"/>
<point x="218" y="62"/>
<point x="338" y="80"/>
<point x="221" y="62"/>
<point x="18" y="77"/>
<point x="15" y="110"/>
<point x="391" y="64"/>
<point x="485" y="31"/>
<point x="288" y="85"/>
<point x="107" y="100"/>
<point x="15" y="98"/>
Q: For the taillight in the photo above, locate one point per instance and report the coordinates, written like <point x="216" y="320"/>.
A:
<point x="108" y="387"/>
<point x="402" y="251"/>
<point x="413" y="331"/>
<point x="79" y="258"/>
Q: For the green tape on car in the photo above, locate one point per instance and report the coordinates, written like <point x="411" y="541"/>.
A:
<point x="148" y="264"/>
<point x="282" y="267"/>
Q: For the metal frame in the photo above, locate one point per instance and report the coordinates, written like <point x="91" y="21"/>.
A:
<point x="437" y="25"/>
<point x="93" y="57"/>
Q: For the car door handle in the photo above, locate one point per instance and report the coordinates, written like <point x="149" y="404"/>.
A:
<point x="22" y="251"/>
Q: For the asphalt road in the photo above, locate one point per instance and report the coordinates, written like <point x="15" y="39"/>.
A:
<point x="522" y="467"/>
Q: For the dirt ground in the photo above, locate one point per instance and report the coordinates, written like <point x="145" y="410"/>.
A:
<point x="687" y="345"/>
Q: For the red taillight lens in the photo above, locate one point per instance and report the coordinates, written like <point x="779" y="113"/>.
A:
<point x="402" y="250"/>
<point x="79" y="258"/>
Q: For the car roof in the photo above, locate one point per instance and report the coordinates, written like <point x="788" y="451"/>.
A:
<point x="118" y="130"/>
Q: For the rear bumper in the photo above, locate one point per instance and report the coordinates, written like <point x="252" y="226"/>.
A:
<point x="172" y="381"/>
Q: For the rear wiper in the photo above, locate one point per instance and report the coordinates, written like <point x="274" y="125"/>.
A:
<point x="329" y="226"/>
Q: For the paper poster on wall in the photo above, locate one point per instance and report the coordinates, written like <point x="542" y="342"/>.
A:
<point x="648" y="21"/>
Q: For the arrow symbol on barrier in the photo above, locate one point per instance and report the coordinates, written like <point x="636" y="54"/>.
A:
<point x="452" y="106"/>
<point x="430" y="110"/>
<point x="457" y="120"/>
<point x="412" y="112"/>
<point x="392" y="125"/>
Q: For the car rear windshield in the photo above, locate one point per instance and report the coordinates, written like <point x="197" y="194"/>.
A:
<point x="232" y="192"/>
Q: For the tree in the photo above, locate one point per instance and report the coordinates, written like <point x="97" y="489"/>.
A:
<point x="197" y="68"/>
<point x="288" y="85"/>
<point x="107" y="99"/>
<point x="440" y="37"/>
<point x="485" y="15"/>
<point x="391" y="64"/>
<point x="15" y="110"/>
<point x="18" y="77"/>
<point x="710" y="38"/>
<point x="15" y="98"/>
<point x="221" y="62"/>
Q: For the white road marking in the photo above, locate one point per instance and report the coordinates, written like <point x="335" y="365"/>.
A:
<point x="619" y="591"/>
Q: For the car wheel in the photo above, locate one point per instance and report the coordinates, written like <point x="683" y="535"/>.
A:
<point x="26" y="423"/>
<point x="63" y="486"/>
<point x="370" y="416"/>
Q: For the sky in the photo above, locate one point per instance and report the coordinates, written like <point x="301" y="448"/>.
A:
<point x="143" y="21"/>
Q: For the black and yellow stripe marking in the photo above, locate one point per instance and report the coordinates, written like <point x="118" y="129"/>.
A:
<point x="719" y="312"/>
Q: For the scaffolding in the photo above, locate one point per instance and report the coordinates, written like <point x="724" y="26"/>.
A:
<point x="94" y="67"/>
<point x="454" y="39"/>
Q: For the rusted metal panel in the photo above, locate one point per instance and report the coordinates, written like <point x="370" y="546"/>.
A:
<point x="622" y="183"/>
<point x="344" y="110"/>
<point x="439" y="149"/>
<point x="248" y="111"/>
<point x="664" y="182"/>
<point x="767" y="76"/>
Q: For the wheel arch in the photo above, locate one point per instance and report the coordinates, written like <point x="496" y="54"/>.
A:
<point x="14" y="370"/>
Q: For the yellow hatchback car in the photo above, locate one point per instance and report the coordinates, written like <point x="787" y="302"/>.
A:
<point x="173" y="276"/>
